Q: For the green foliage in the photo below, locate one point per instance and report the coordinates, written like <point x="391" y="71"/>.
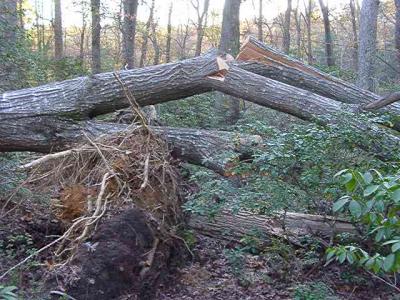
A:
<point x="8" y="293"/>
<point x="373" y="202"/>
<point x="313" y="291"/>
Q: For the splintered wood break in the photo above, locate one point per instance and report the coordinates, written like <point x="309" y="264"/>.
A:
<point x="223" y="68"/>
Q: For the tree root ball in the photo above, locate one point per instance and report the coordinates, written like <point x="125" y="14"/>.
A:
<point x="110" y="265"/>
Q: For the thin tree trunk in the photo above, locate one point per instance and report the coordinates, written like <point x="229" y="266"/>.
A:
<point x="143" y="57"/>
<point x="169" y="35"/>
<point x="58" y="31"/>
<point x="297" y="19"/>
<point x="330" y="59"/>
<point x="367" y="44"/>
<point x="309" y="11"/>
<point x="355" y="34"/>
<point x="96" y="41"/>
<point x="201" y="23"/>
<point x="156" y="46"/>
<point x="260" y="21"/>
<point x="286" y="27"/>
<point x="397" y="33"/>
<point x="129" y="32"/>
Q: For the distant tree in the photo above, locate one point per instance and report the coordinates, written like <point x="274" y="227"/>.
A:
<point x="308" y="20"/>
<point x="353" y="13"/>
<point x="201" y="22"/>
<point x="297" y="19"/>
<point x="154" y="41"/>
<point x="397" y="33"/>
<point x="230" y="43"/>
<point x="367" y="44"/>
<point x="330" y="59"/>
<point x="169" y="35"/>
<point x="286" y="27"/>
<point x="260" y="21"/>
<point x="96" y="31"/>
<point x="146" y="33"/>
<point x="58" y="31"/>
<point x="129" y="32"/>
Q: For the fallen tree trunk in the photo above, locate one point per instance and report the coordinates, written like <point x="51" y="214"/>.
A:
<point x="258" y="58"/>
<point x="231" y="226"/>
<point x="305" y="105"/>
<point x="206" y="148"/>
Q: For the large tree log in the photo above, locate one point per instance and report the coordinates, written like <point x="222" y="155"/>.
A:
<point x="207" y="148"/>
<point x="45" y="112"/>
<point x="305" y="105"/>
<point x="261" y="59"/>
<point x="233" y="226"/>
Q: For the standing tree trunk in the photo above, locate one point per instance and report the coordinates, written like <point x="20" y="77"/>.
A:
<point x="260" y="21"/>
<point x="201" y="23"/>
<point x="397" y="33"/>
<point x="154" y="41"/>
<point x="297" y="19"/>
<point x="8" y="43"/>
<point x="82" y="36"/>
<point x="143" y="56"/>
<point x="307" y="19"/>
<point x="58" y="31"/>
<point x="129" y="32"/>
<point x="230" y="43"/>
<point x="169" y="36"/>
<point x="355" y="34"/>
<point x="96" y="29"/>
<point x="330" y="60"/>
<point x="286" y="27"/>
<point x="367" y="44"/>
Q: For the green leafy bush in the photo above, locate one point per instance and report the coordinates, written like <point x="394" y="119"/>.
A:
<point x="373" y="202"/>
<point x="8" y="293"/>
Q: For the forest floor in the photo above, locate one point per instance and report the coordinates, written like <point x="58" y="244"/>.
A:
<point x="217" y="269"/>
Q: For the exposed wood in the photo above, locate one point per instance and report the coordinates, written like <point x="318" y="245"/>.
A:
<point x="384" y="101"/>
<point x="233" y="226"/>
<point x="266" y="61"/>
<point x="307" y="106"/>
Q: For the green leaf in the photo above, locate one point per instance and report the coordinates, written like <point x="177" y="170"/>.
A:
<point x="367" y="176"/>
<point x="338" y="205"/>
<point x="396" y="195"/>
<point x="355" y="208"/>
<point x="369" y="190"/>
<point x="396" y="247"/>
<point x="388" y="262"/>
<point x="346" y="178"/>
<point x="351" y="185"/>
<point x="342" y="257"/>
<point x="341" y="172"/>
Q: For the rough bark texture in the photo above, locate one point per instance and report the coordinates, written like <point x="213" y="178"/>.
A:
<point x="309" y="11"/>
<point x="58" y="31"/>
<point x="286" y="27"/>
<point x="96" y="29"/>
<point x="367" y="44"/>
<point x="229" y="226"/>
<point x="305" y="105"/>
<point x="129" y="32"/>
<point x="266" y="61"/>
<point x="330" y="60"/>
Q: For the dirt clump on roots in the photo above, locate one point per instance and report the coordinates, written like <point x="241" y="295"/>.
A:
<point x="118" y="199"/>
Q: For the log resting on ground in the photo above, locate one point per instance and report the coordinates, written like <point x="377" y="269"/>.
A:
<point x="305" y="105"/>
<point x="233" y="226"/>
<point x="208" y="148"/>
<point x="263" y="60"/>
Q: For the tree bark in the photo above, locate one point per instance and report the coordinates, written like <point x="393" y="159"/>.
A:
<point x="309" y="11"/>
<point x="230" y="226"/>
<point x="129" y="32"/>
<point x="330" y="60"/>
<point x="266" y="61"/>
<point x="286" y="27"/>
<point x="367" y="44"/>
<point x="96" y="44"/>
<point x="397" y="33"/>
<point x="156" y="46"/>
<point x="260" y="21"/>
<point x="169" y="35"/>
